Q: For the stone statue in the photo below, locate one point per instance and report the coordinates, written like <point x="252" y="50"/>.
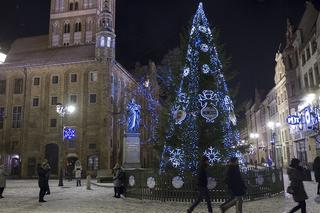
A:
<point x="133" y="111"/>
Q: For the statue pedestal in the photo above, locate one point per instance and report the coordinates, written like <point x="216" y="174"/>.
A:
<point x="131" y="150"/>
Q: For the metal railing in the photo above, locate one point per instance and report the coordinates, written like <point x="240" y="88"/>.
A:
<point x="260" y="184"/>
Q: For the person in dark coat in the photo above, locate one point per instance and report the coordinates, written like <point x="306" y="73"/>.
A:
<point x="236" y="186"/>
<point x="316" y="169"/>
<point x="43" y="180"/>
<point x="3" y="175"/>
<point x="202" y="184"/>
<point x="296" y="176"/>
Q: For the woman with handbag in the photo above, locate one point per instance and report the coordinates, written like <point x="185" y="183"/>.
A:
<point x="296" y="188"/>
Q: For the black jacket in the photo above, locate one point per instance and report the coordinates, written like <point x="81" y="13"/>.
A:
<point x="316" y="169"/>
<point x="234" y="181"/>
<point x="203" y="177"/>
<point x="43" y="177"/>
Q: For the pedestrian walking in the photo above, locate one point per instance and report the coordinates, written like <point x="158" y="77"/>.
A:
<point x="78" y="171"/>
<point x="316" y="169"/>
<point x="47" y="167"/>
<point x="117" y="180"/>
<point x="203" y="191"/>
<point x="236" y="186"/>
<point x="3" y="175"/>
<point x="296" y="187"/>
<point x="43" y="171"/>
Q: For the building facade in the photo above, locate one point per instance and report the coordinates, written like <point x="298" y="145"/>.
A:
<point x="296" y="77"/>
<point x="73" y="65"/>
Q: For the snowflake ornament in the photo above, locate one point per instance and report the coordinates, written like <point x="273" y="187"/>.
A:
<point x="69" y="133"/>
<point x="205" y="68"/>
<point x="204" y="48"/>
<point x="176" y="157"/>
<point x="212" y="154"/>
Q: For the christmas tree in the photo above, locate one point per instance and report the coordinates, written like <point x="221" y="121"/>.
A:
<point x="202" y="119"/>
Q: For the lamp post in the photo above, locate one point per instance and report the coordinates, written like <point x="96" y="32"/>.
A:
<point x="62" y="111"/>
<point x="255" y="136"/>
<point x="272" y="126"/>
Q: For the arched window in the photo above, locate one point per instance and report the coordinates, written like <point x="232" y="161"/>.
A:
<point x="78" y="26"/>
<point x="59" y="6"/>
<point x="71" y="6"/>
<point x="89" y="25"/>
<point x="66" y="27"/>
<point x="93" y="162"/>
<point x="76" y="5"/>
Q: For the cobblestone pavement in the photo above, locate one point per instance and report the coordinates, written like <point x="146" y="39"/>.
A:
<point x="21" y="197"/>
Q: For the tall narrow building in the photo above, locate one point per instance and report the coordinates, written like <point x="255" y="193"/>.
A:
<point x="73" y="65"/>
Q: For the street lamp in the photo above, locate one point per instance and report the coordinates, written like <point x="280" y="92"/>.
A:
<point x="256" y="136"/>
<point x="272" y="126"/>
<point x="63" y="111"/>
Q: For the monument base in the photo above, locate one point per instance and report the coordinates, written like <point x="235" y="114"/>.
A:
<point x="131" y="152"/>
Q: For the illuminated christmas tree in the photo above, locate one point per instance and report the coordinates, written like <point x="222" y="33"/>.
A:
<point x="202" y="120"/>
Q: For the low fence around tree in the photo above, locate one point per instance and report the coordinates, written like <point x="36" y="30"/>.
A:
<point x="148" y="185"/>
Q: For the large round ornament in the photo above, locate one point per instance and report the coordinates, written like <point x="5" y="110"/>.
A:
<point x="210" y="113"/>
<point x="179" y="116"/>
<point x="151" y="182"/>
<point x="177" y="182"/>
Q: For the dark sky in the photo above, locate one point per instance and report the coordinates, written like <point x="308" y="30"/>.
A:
<point x="146" y="29"/>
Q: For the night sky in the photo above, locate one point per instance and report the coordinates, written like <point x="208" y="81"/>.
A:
<point x="252" y="30"/>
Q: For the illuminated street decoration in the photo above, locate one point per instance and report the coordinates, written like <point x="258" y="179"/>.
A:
<point x="133" y="111"/>
<point x="69" y="133"/>
<point x="293" y="119"/>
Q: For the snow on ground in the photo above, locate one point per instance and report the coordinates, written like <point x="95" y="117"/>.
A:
<point x="21" y="196"/>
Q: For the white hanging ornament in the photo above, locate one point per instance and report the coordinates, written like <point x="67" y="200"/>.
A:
<point x="208" y="100"/>
<point x="151" y="183"/>
<point x="131" y="181"/>
<point x="202" y="29"/>
<point x="205" y="68"/>
<point x="204" y="48"/>
<point x="177" y="182"/>
<point x="179" y="116"/>
<point x="186" y="71"/>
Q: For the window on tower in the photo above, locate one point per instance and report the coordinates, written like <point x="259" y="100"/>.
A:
<point x="109" y="41"/>
<point x="102" y="42"/>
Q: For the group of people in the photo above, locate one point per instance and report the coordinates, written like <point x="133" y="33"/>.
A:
<point x="237" y="188"/>
<point x="233" y="180"/>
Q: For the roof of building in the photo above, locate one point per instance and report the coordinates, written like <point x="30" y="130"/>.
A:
<point x="308" y="21"/>
<point x="34" y="51"/>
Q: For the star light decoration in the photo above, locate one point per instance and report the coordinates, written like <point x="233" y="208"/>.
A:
<point x="213" y="155"/>
<point x="69" y="133"/>
<point x="176" y="157"/>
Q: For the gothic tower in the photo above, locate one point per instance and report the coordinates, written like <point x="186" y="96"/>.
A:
<point x="82" y="22"/>
<point x="105" y="37"/>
